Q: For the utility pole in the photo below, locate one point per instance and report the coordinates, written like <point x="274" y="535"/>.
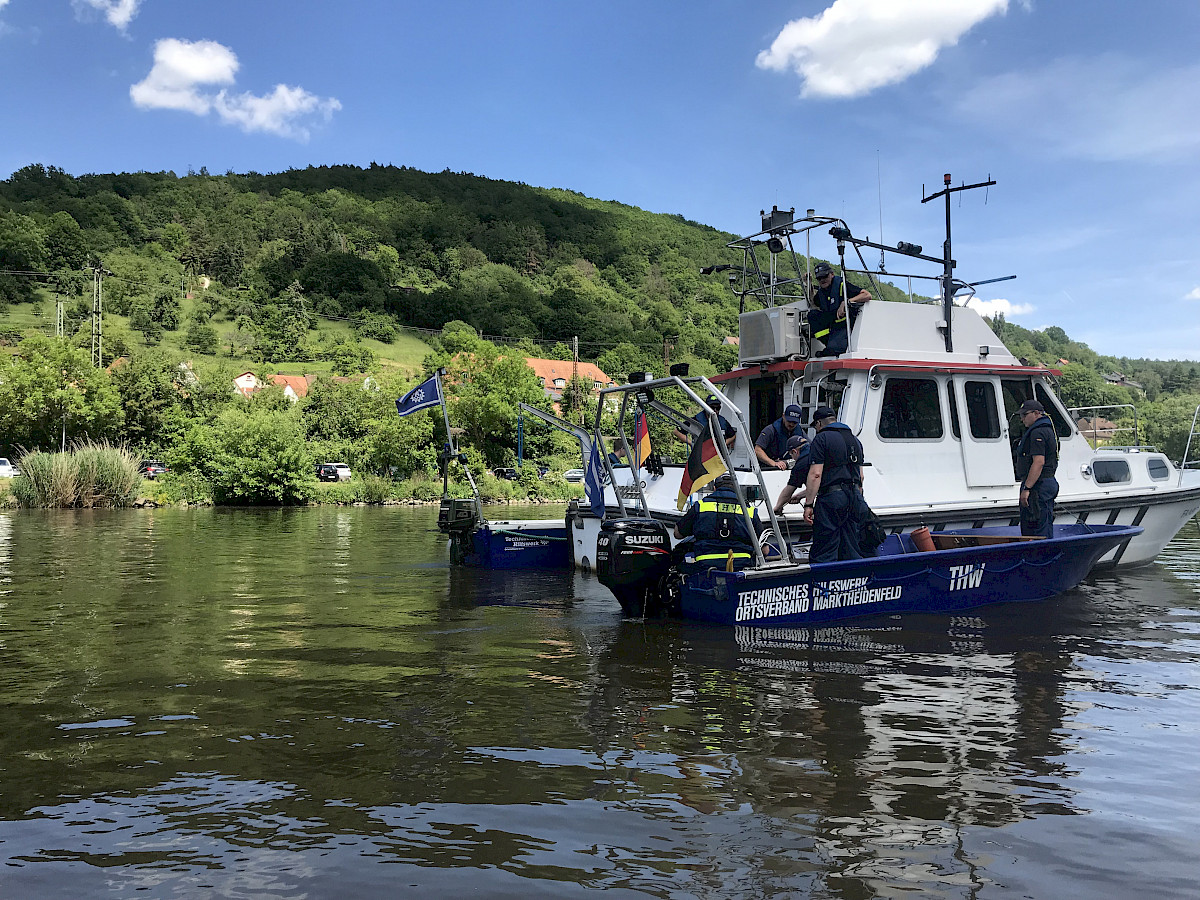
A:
<point x="58" y="315"/>
<point x="575" y="374"/>
<point x="97" y="317"/>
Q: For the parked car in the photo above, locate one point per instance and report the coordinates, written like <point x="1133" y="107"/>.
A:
<point x="333" y="472"/>
<point x="151" y="468"/>
<point x="575" y="476"/>
<point x="7" y="469"/>
<point x="507" y="473"/>
<point x="543" y="471"/>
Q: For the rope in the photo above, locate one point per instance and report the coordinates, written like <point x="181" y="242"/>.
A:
<point x="1021" y="562"/>
<point x="526" y="534"/>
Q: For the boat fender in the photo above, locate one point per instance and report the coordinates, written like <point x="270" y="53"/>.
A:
<point x="921" y="539"/>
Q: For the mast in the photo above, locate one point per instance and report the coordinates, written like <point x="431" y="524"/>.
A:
<point x="947" y="259"/>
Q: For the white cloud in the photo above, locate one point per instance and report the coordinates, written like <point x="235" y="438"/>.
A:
<point x="119" y="13"/>
<point x="991" y="307"/>
<point x="1105" y="108"/>
<point x="182" y="69"/>
<point x="1193" y="294"/>
<point x="856" y="46"/>
<point x="276" y="112"/>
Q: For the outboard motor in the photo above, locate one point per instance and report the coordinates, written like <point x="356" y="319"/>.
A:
<point x="633" y="560"/>
<point x="458" y="519"/>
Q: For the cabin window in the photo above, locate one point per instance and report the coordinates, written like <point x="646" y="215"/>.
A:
<point x="1061" y="425"/>
<point x="981" y="410"/>
<point x="955" y="431"/>
<point x="911" y="410"/>
<point x="1158" y="468"/>
<point x="1110" y="471"/>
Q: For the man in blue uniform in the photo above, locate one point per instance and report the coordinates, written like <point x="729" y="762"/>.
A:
<point x="721" y="425"/>
<point x="1035" y="462"/>
<point x="827" y="317"/>
<point x="834" y="503"/>
<point x="795" y="490"/>
<point x="718" y="524"/>
<point x="771" y="446"/>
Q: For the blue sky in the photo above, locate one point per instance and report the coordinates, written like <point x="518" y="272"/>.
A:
<point x="1087" y="114"/>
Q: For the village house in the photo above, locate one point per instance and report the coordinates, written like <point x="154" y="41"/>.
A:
<point x="554" y="374"/>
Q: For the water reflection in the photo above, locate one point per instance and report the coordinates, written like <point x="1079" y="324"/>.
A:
<point x="311" y="703"/>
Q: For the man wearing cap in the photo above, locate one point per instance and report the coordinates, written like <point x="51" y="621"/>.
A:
<point x="771" y="446"/>
<point x="827" y="315"/>
<point x="1035" y="461"/>
<point x="794" y="490"/>
<point x="718" y="524"/>
<point x="834" y="503"/>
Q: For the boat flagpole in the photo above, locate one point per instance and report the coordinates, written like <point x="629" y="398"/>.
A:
<point x="450" y="451"/>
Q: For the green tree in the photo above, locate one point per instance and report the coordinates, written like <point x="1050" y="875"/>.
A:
<point x="22" y="248"/>
<point x="1166" y="425"/>
<point x="151" y="386"/>
<point x="48" y="389"/>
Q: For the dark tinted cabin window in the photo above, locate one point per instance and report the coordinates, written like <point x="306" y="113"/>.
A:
<point x="1015" y="392"/>
<point x="981" y="409"/>
<point x="1158" y="468"/>
<point x="954" y="429"/>
<point x="911" y="409"/>
<point x="1110" y="471"/>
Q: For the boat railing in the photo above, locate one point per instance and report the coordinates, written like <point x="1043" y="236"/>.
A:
<point x="643" y="393"/>
<point x="1187" y="462"/>
<point x="1094" y="432"/>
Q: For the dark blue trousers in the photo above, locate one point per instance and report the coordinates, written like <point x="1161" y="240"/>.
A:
<point x="1038" y="517"/>
<point x="837" y="519"/>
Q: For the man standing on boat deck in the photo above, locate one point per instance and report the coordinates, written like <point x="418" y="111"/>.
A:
<point x="720" y="423"/>
<point x="771" y="446"/>
<point x="1035" y="462"/>
<point x="718" y="523"/>
<point x="827" y="317"/>
<point x="834" y="503"/>
<point x="796" y="488"/>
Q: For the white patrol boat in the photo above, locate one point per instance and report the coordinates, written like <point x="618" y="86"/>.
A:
<point x="928" y="389"/>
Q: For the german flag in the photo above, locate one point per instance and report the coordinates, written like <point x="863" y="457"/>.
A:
<point x="641" y="440"/>
<point x="704" y="464"/>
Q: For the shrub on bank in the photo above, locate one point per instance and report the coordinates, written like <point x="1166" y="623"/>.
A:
<point x="181" y="487"/>
<point x="93" y="475"/>
<point x="255" y="457"/>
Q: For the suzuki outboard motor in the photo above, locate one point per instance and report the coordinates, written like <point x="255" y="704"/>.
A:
<point x="633" y="560"/>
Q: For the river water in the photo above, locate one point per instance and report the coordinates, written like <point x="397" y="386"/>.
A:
<point x="311" y="703"/>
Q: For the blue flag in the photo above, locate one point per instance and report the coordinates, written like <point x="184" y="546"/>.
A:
<point x="423" y="396"/>
<point x="593" y="482"/>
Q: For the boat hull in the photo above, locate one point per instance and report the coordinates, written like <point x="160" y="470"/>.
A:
<point x="1160" y="513"/>
<point x="532" y="544"/>
<point x="941" y="581"/>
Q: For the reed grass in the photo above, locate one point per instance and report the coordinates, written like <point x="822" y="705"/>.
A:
<point x="89" y="475"/>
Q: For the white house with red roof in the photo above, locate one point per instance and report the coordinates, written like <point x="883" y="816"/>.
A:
<point x="555" y="374"/>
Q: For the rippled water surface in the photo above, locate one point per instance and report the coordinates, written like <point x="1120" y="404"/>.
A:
<point x="311" y="703"/>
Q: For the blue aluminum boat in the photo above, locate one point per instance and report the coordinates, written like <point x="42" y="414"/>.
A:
<point x="533" y="544"/>
<point x="517" y="544"/>
<point x="969" y="568"/>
